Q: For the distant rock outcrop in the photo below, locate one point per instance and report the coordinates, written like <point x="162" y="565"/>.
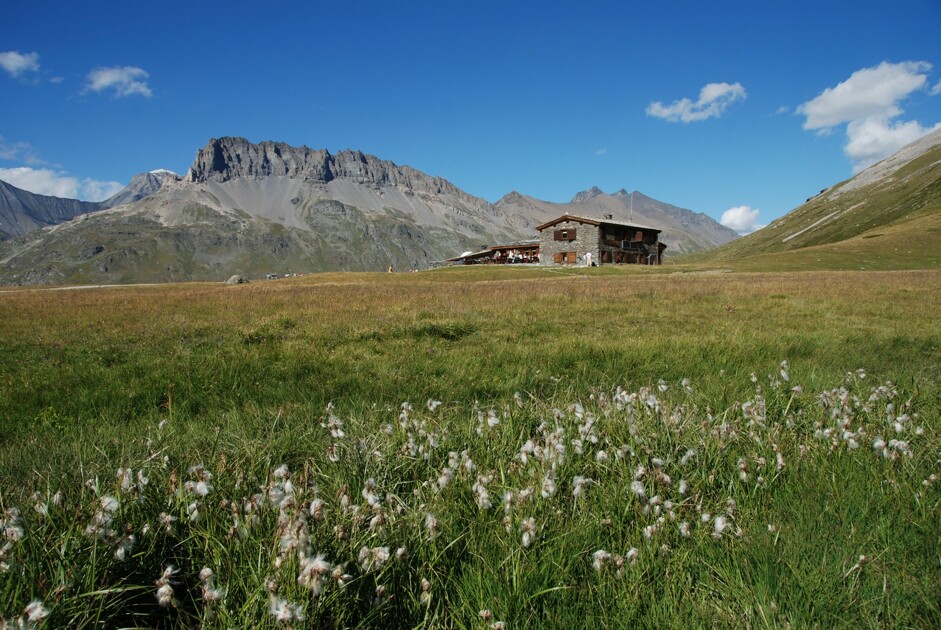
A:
<point x="140" y="186"/>
<point x="228" y="158"/>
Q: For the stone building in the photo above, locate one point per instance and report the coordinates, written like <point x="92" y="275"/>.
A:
<point x="568" y="239"/>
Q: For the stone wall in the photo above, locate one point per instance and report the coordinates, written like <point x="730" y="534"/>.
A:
<point x="586" y="240"/>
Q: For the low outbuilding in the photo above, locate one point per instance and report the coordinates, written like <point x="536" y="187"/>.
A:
<point x="522" y="252"/>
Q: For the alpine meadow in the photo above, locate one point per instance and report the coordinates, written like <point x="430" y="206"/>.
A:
<point x="475" y="447"/>
<point x="470" y="315"/>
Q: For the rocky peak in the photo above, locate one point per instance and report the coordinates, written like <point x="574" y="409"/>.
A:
<point x="585" y="195"/>
<point x="141" y="185"/>
<point x="228" y="158"/>
<point x="224" y="159"/>
<point x="511" y="197"/>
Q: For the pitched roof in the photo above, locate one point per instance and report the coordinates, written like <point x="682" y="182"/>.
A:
<point x="593" y="221"/>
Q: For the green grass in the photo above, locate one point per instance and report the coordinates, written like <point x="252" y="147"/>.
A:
<point x="892" y="223"/>
<point x="244" y="378"/>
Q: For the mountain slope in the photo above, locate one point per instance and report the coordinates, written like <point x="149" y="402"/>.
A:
<point x="900" y="196"/>
<point x="684" y="231"/>
<point x="22" y="212"/>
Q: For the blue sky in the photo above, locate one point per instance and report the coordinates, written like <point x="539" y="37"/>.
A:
<point x="742" y="109"/>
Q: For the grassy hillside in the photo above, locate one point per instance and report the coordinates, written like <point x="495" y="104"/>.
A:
<point x="590" y="447"/>
<point x="891" y="223"/>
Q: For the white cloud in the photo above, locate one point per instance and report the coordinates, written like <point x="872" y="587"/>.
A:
<point x="20" y="152"/>
<point x="868" y="92"/>
<point x="44" y="181"/>
<point x="869" y="102"/>
<point x="601" y="152"/>
<point x="17" y="63"/>
<point x="122" y="81"/>
<point x="94" y="190"/>
<point x="872" y="139"/>
<point x="936" y="89"/>
<point x="742" y="219"/>
<point x="714" y="98"/>
<point x="41" y="181"/>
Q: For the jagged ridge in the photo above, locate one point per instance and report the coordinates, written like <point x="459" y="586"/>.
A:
<point x="227" y="158"/>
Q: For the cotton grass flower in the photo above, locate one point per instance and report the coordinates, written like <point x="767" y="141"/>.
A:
<point x="580" y="486"/>
<point x="35" y="612"/>
<point x="444" y="478"/>
<point x="632" y="555"/>
<point x="599" y="558"/>
<point x="124" y="547"/>
<point x="165" y="595"/>
<point x="371" y="493"/>
<point x="637" y="487"/>
<point x="100" y="525"/>
<point x="425" y="597"/>
<point x="284" y="611"/>
<point x="199" y="486"/>
<point x="335" y="426"/>
<point x="313" y="573"/>
<point x="901" y="447"/>
<point x="720" y="525"/>
<point x="481" y="495"/>
<point x="548" y="485"/>
<point x="492" y="419"/>
<point x="12" y="525"/>
<point x="431" y="524"/>
<point x="373" y="558"/>
<point x="194" y="511"/>
<point x="528" y="527"/>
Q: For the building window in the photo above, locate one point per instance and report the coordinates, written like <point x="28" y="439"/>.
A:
<point x="565" y="235"/>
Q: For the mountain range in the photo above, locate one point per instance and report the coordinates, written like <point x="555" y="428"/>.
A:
<point x="251" y="208"/>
